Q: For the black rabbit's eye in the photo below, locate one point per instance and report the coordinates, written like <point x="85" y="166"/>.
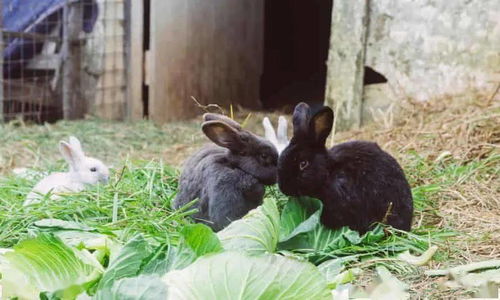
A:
<point x="303" y="164"/>
<point x="93" y="169"/>
<point x="263" y="156"/>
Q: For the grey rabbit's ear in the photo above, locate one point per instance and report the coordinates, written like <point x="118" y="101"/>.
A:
<point x="321" y="125"/>
<point x="301" y="117"/>
<point x="219" y="117"/>
<point x="223" y="135"/>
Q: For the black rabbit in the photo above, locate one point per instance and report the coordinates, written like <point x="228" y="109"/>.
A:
<point x="228" y="179"/>
<point x="358" y="182"/>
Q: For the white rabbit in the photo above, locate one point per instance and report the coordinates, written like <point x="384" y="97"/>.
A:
<point x="279" y="141"/>
<point x="83" y="171"/>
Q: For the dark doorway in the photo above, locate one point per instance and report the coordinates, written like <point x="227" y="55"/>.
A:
<point x="296" y="43"/>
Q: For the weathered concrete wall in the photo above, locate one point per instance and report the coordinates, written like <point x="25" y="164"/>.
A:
<point x="433" y="48"/>
<point x="427" y="49"/>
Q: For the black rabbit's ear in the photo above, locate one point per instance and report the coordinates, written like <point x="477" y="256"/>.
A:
<point x="223" y="135"/>
<point x="219" y="117"/>
<point x="301" y="117"/>
<point x="321" y="125"/>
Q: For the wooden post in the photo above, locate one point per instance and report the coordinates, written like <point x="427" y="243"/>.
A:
<point x="135" y="58"/>
<point x="74" y="106"/>
<point x="346" y="58"/>
<point x="1" y="62"/>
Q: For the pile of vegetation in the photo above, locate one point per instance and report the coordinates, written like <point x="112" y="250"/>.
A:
<point x="122" y="241"/>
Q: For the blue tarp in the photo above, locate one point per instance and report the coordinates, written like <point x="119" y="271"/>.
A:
<point x="35" y="16"/>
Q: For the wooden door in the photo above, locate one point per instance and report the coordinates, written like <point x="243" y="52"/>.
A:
<point x="207" y="49"/>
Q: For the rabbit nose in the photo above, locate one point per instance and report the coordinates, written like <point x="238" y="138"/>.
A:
<point x="105" y="179"/>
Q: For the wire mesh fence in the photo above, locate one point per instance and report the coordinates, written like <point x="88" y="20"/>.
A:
<point x="61" y="58"/>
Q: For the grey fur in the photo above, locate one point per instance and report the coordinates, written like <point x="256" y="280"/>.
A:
<point x="228" y="179"/>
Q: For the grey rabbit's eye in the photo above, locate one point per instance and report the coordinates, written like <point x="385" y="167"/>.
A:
<point x="303" y="164"/>
<point x="93" y="169"/>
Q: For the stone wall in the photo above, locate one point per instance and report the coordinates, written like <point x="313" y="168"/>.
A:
<point x="426" y="49"/>
<point x="434" y="48"/>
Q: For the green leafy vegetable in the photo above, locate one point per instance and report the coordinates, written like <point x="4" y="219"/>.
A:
<point x="389" y="287"/>
<point x="335" y="272"/>
<point x="143" y="287"/>
<point x="80" y="236"/>
<point x="166" y="258"/>
<point x="127" y="263"/>
<point x="46" y="264"/>
<point x="201" y="239"/>
<point x="255" y="233"/>
<point x="418" y="260"/>
<point x="301" y="229"/>
<point x="235" y="275"/>
<point x="301" y="214"/>
<point x="197" y="240"/>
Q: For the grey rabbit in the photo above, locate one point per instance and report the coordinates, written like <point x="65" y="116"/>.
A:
<point x="358" y="183"/>
<point x="229" y="177"/>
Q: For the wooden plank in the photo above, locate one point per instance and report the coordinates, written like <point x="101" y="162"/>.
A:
<point x="346" y="58"/>
<point x="112" y="80"/>
<point x="211" y="50"/>
<point x="74" y="104"/>
<point x="135" y="59"/>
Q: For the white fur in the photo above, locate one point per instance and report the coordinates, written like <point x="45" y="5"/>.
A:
<point x="280" y="141"/>
<point x="80" y="174"/>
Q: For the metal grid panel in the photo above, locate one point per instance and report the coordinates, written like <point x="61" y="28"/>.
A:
<point x="58" y="49"/>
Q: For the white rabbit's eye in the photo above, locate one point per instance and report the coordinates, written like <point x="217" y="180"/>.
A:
<point x="93" y="169"/>
<point x="303" y="164"/>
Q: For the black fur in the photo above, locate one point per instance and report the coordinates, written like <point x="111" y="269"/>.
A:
<point x="228" y="179"/>
<point x="356" y="181"/>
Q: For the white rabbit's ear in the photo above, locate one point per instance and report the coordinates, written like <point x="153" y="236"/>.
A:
<point x="70" y="155"/>
<point x="282" y="130"/>
<point x="75" y="144"/>
<point x="270" y="134"/>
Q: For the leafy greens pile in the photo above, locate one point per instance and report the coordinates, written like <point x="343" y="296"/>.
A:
<point x="265" y="255"/>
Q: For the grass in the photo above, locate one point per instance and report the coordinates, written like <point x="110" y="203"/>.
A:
<point x="137" y="200"/>
<point x="453" y="166"/>
<point x="35" y="147"/>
